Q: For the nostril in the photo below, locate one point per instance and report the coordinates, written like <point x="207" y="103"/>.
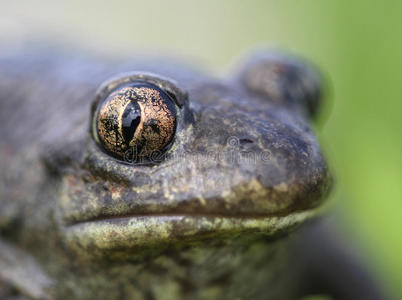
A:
<point x="246" y="141"/>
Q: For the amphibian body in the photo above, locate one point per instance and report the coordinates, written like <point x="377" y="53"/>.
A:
<point x="146" y="179"/>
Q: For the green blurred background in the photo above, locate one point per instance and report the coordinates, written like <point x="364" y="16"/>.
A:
<point x="357" y="43"/>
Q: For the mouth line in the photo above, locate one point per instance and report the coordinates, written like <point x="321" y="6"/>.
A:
<point x="100" y="236"/>
<point x="104" y="235"/>
<point x="129" y="216"/>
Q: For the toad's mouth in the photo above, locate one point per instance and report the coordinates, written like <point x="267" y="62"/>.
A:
<point x="105" y="234"/>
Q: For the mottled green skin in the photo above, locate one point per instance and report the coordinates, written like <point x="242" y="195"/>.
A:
<point x="195" y="225"/>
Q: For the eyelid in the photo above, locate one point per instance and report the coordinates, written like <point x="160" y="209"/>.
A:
<point x="171" y="87"/>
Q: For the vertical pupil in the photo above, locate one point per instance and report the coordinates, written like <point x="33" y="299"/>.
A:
<point x="130" y="120"/>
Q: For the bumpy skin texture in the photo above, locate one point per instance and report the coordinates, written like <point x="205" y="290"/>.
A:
<point x="209" y="220"/>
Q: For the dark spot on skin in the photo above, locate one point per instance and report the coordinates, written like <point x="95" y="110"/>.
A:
<point x="246" y="141"/>
<point x="186" y="286"/>
<point x="148" y="295"/>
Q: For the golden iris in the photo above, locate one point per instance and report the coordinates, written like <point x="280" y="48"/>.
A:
<point x="135" y="121"/>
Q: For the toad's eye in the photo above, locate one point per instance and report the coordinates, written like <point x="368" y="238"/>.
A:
<point x="134" y="121"/>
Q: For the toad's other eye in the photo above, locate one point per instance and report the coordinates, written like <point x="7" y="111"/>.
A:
<point x="135" y="121"/>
